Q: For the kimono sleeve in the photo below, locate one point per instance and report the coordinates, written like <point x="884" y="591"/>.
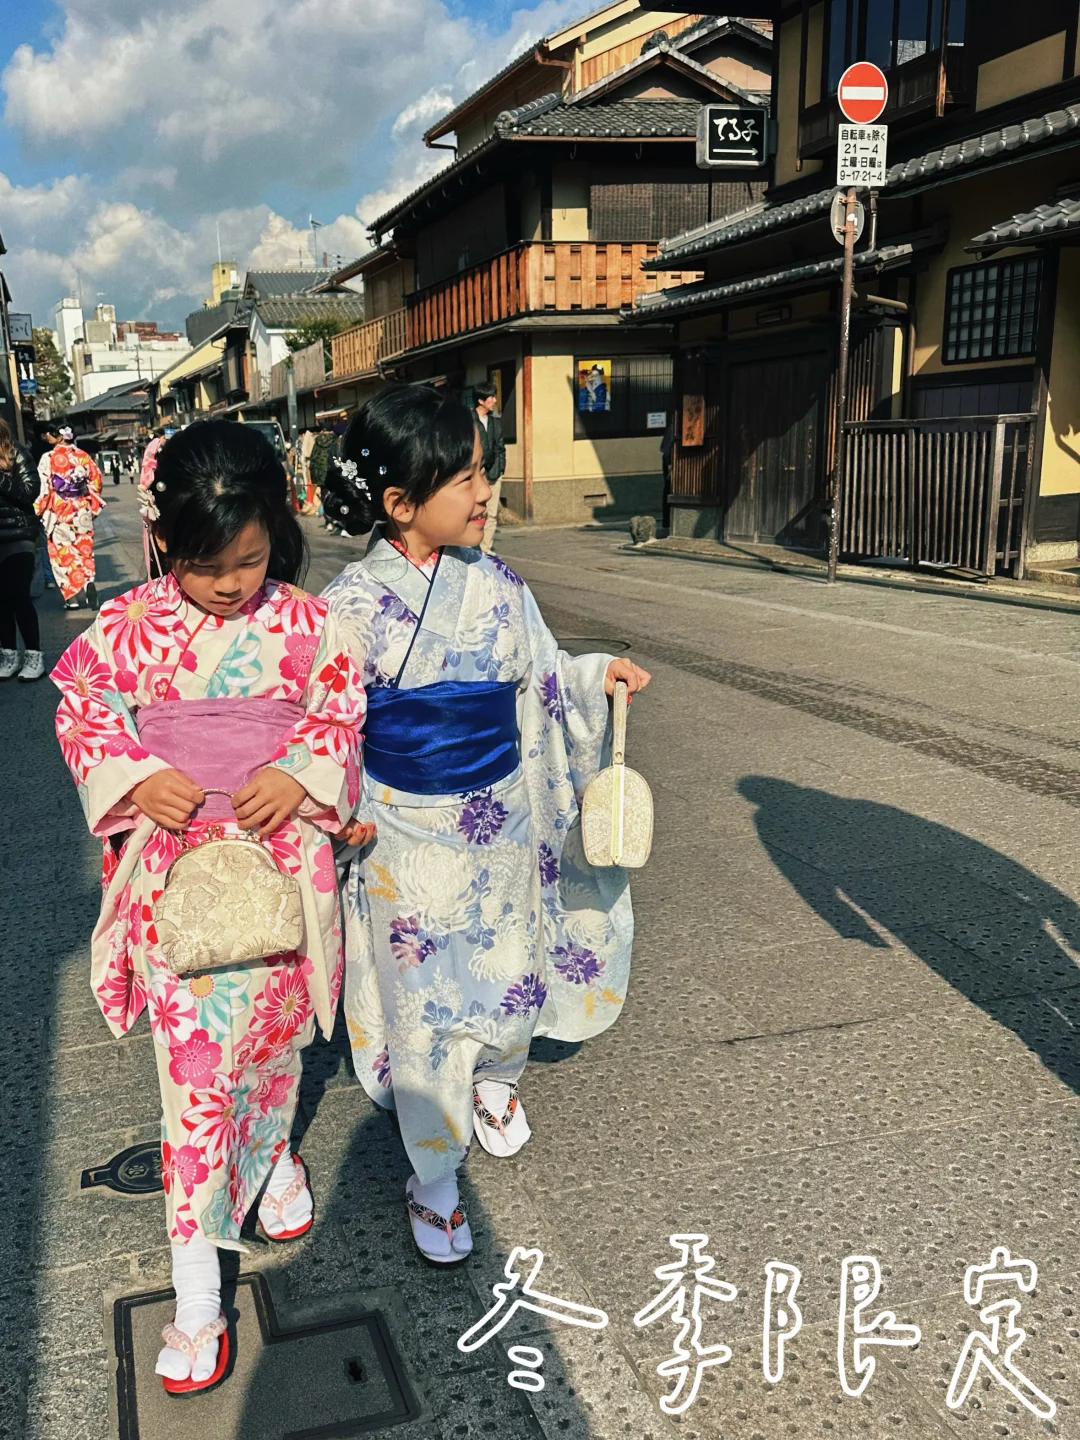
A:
<point x="570" y="690"/>
<point x="323" y="752"/>
<point x="98" y="735"/>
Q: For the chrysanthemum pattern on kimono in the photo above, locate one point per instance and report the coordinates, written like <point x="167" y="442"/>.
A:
<point x="228" y="1042"/>
<point x="475" y="921"/>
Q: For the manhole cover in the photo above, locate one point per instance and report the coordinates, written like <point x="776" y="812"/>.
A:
<point x="308" y="1382"/>
<point x="135" y="1171"/>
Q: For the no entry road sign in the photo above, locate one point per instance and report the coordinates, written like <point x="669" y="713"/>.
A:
<point x="862" y="93"/>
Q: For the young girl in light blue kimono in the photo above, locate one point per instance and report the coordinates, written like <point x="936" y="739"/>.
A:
<point x="474" y="921"/>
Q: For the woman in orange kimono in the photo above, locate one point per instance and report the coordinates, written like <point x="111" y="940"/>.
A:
<point x="70" y="498"/>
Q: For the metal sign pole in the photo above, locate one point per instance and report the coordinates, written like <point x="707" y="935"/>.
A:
<point x="841" y="384"/>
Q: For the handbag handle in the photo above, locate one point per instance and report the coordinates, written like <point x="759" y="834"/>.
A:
<point x="620" y="703"/>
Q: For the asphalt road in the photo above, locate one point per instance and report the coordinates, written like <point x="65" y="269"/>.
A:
<point x="851" y="1033"/>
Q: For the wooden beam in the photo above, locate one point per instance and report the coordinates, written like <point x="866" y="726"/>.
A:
<point x="526" y="428"/>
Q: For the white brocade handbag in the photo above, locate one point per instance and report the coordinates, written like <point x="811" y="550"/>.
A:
<point x="617" y="810"/>
<point x="226" y="902"/>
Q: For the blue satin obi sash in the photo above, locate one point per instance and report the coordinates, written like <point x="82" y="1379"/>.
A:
<point x="442" y="739"/>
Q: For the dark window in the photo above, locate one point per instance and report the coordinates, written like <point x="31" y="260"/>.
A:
<point x="504" y="376"/>
<point x="636" y="397"/>
<point x="888" y="32"/>
<point x="648" y="211"/>
<point x="991" y="311"/>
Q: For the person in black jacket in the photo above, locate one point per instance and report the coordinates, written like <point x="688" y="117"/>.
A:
<point x="491" y="435"/>
<point x="19" y="532"/>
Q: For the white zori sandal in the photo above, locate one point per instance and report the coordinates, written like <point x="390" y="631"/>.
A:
<point x="499" y="1118"/>
<point x="442" y="1240"/>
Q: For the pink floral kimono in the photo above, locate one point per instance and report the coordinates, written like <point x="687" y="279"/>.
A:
<point x="228" y="1041"/>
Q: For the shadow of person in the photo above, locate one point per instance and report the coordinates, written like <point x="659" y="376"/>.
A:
<point x="998" y="933"/>
<point x="360" y="1256"/>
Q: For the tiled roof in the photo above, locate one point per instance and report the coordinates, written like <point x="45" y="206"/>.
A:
<point x="1045" y="222"/>
<point x="120" y="397"/>
<point x="645" y="118"/>
<point x="662" y="304"/>
<point x="550" y="116"/>
<point x="294" y="309"/>
<point x="1058" y="125"/>
<point x="265" y="283"/>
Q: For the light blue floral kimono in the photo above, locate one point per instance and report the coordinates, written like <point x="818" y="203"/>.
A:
<point x="474" y="921"/>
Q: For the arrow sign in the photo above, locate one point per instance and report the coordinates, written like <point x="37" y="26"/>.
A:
<point x="862" y="93"/>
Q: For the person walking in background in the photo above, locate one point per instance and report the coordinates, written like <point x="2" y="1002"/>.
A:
<point x="49" y="439"/>
<point x="19" y="533"/>
<point x="484" y="397"/>
<point x="322" y="449"/>
<point x="69" y="499"/>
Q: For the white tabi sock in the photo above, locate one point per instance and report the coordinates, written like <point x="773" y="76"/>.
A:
<point x="196" y="1277"/>
<point x="298" y="1211"/>
<point x="494" y="1096"/>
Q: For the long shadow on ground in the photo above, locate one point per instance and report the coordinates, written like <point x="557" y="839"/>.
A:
<point x="997" y="932"/>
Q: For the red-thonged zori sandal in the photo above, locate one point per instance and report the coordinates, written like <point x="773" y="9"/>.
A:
<point x="278" y="1204"/>
<point x="190" y="1345"/>
<point x="427" y="1223"/>
<point x="499" y="1118"/>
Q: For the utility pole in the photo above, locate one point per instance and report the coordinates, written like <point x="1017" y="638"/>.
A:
<point x="841" y="382"/>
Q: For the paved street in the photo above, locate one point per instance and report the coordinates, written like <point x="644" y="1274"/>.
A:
<point x="851" y="1032"/>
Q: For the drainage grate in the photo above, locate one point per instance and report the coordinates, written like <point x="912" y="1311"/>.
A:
<point x="307" y="1382"/>
<point x="135" y="1171"/>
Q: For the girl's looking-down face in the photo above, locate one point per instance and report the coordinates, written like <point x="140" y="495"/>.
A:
<point x="223" y="583"/>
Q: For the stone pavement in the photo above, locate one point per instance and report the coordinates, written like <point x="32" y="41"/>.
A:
<point x="851" y="1031"/>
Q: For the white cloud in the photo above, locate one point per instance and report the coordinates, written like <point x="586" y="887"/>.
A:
<point x="194" y="115"/>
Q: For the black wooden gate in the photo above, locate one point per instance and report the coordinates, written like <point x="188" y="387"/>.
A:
<point x="949" y="493"/>
<point x="774" y="414"/>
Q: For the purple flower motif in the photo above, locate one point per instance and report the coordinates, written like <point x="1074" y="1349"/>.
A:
<point x="394" y="608"/>
<point x="410" y="944"/>
<point x="381" y="1066"/>
<point x="504" y="570"/>
<point x="529" y="994"/>
<point x="482" y="818"/>
<point x="549" y="694"/>
<point x="549" y="864"/>
<point x="576" y="964"/>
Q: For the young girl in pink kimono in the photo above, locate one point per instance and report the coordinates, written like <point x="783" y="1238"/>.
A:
<point x="215" y="700"/>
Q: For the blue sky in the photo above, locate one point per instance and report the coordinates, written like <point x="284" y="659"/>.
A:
<point x="129" y="134"/>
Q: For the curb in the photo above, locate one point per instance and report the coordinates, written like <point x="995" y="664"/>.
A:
<point x="991" y="591"/>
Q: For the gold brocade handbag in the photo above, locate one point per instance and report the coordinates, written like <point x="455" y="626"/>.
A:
<point x="226" y="902"/>
<point x="617" y="811"/>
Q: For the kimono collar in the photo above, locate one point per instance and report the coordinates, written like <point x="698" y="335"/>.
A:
<point x="442" y="594"/>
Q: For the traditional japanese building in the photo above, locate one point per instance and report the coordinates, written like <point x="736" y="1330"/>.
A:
<point x="513" y="263"/>
<point x="963" y="447"/>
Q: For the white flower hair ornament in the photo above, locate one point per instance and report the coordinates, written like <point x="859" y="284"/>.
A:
<point x="349" y="469"/>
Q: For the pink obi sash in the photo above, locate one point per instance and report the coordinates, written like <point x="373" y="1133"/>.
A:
<point x="219" y="743"/>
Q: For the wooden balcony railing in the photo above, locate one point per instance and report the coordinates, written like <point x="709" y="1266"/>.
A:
<point x="564" y="276"/>
<point x="948" y="493"/>
<point x="309" y="369"/>
<point x="359" y="350"/>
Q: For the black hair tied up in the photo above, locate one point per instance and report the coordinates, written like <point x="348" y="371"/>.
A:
<point x="407" y="438"/>
<point x="212" y="480"/>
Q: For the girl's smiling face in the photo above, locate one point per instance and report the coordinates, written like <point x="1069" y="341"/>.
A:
<point x="454" y="515"/>
<point x="223" y="583"/>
